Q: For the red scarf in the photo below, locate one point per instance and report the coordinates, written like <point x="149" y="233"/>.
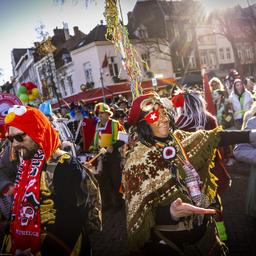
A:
<point x="25" y="221"/>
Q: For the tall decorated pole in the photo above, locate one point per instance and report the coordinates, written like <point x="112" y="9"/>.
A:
<point x="118" y="34"/>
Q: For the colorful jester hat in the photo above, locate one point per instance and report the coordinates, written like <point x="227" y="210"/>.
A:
<point x="34" y="123"/>
<point x="102" y="107"/>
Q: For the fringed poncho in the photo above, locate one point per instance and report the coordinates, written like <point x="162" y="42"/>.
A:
<point x="149" y="182"/>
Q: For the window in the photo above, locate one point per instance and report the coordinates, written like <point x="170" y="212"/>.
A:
<point x="88" y="72"/>
<point x="221" y="53"/>
<point x="212" y="58"/>
<point x="203" y="58"/>
<point x="113" y="67"/>
<point x="70" y="84"/>
<point x="143" y="33"/>
<point x="182" y="62"/>
<point x="228" y="53"/>
<point x="249" y="54"/>
<point x="62" y="83"/>
<point x="192" y="60"/>
<point x="146" y="61"/>
<point x="240" y="55"/>
<point x="189" y="35"/>
<point x="176" y="32"/>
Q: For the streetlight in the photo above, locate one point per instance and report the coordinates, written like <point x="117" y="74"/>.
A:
<point x="102" y="85"/>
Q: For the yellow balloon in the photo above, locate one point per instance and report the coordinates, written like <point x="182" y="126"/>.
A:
<point x="35" y="92"/>
<point x="31" y="97"/>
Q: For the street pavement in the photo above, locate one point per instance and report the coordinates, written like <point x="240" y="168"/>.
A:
<point x="241" y="229"/>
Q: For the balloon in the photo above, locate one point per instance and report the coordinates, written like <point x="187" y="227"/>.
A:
<point x="22" y="90"/>
<point x="30" y="86"/>
<point x="35" y="92"/>
<point x="46" y="108"/>
<point x="24" y="97"/>
<point x="31" y="97"/>
<point x="24" y="84"/>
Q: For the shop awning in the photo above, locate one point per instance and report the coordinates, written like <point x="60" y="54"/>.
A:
<point x="96" y="94"/>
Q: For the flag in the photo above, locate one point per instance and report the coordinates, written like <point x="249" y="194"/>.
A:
<point x="208" y="94"/>
<point x="105" y="62"/>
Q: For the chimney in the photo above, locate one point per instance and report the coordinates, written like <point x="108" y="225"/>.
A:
<point x="129" y="16"/>
<point x="66" y="31"/>
<point x="76" y="30"/>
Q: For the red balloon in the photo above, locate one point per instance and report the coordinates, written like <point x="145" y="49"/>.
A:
<point x="30" y="86"/>
<point x="24" y="84"/>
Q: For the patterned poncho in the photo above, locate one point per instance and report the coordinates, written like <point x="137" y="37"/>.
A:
<point x="148" y="181"/>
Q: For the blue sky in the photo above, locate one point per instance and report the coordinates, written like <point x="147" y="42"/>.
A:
<point x="19" y="18"/>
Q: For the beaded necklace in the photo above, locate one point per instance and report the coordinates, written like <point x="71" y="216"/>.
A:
<point x="192" y="179"/>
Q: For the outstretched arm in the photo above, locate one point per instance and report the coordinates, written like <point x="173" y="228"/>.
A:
<point x="180" y="209"/>
<point x="247" y="152"/>
<point x="231" y="137"/>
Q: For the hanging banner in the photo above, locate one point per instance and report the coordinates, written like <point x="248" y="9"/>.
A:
<point x="207" y="93"/>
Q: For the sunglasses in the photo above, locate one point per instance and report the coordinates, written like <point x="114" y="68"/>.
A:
<point x="17" y="137"/>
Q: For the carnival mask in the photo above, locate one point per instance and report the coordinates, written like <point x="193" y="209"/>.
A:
<point x="152" y="106"/>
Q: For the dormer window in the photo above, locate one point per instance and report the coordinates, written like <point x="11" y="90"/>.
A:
<point x="141" y="32"/>
<point x="66" y="58"/>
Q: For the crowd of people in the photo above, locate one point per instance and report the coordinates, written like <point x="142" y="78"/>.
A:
<point x="163" y="159"/>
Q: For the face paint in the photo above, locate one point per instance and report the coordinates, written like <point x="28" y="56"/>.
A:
<point x="161" y="127"/>
<point x="152" y="116"/>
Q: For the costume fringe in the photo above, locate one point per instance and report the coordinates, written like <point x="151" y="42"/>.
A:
<point x="138" y="238"/>
<point x="47" y="211"/>
<point x="206" y="142"/>
<point x="142" y="234"/>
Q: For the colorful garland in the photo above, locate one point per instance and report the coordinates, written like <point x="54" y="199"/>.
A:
<point x="118" y="34"/>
